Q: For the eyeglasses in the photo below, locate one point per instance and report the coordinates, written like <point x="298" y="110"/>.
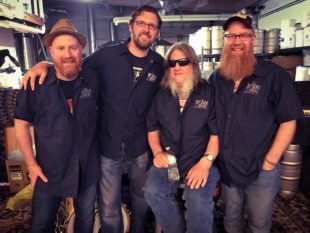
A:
<point x="181" y="62"/>
<point x="243" y="36"/>
<point x="142" y="24"/>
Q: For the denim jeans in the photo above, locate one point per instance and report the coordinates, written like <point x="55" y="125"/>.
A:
<point x="45" y="208"/>
<point x="84" y="205"/>
<point x="110" y="193"/>
<point x="249" y="209"/>
<point x="159" y="193"/>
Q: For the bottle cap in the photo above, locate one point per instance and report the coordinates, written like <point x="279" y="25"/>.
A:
<point x="171" y="159"/>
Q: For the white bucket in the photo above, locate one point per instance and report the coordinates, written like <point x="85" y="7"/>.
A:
<point x="299" y="38"/>
<point x="217" y="41"/>
<point x="302" y="73"/>
<point x="307" y="36"/>
<point x="206" y="37"/>
<point x="288" y="41"/>
<point x="305" y="19"/>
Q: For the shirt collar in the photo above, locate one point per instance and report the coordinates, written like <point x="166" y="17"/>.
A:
<point x="258" y="69"/>
<point x="123" y="50"/>
<point x="51" y="76"/>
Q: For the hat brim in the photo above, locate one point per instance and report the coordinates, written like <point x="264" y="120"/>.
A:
<point x="245" y="22"/>
<point x="48" y="39"/>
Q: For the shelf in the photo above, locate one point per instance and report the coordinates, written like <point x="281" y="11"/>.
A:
<point x="292" y="51"/>
<point x="289" y="51"/>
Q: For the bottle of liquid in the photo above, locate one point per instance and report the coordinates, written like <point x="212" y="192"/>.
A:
<point x="173" y="171"/>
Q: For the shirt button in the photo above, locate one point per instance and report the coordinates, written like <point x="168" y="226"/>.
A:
<point x="228" y="116"/>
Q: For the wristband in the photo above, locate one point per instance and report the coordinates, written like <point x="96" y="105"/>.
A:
<point x="272" y="163"/>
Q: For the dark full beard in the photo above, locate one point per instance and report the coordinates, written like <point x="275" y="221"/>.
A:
<point x="236" y="67"/>
<point x="182" y="92"/>
<point x="141" y="45"/>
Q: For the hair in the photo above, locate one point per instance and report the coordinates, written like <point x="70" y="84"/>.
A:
<point x="190" y="54"/>
<point x="145" y="8"/>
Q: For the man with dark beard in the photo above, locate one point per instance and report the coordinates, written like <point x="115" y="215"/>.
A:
<point x="256" y="112"/>
<point x="63" y="112"/>
<point x="182" y="117"/>
<point x="129" y="75"/>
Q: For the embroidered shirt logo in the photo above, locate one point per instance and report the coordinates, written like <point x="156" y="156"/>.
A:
<point x="85" y="93"/>
<point x="252" y="89"/>
<point x="201" y="104"/>
<point x="151" y="77"/>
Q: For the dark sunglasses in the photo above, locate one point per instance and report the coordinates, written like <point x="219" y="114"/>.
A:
<point x="181" y="62"/>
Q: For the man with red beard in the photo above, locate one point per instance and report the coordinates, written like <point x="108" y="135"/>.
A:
<point x="256" y="112"/>
<point x="63" y="112"/>
<point x="129" y="75"/>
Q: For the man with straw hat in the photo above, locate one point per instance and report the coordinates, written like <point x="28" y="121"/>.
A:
<point x="63" y="112"/>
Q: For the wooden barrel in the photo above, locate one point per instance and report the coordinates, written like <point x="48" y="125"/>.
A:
<point x="291" y="171"/>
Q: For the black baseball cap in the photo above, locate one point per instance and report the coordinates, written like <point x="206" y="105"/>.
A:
<point x="244" y="19"/>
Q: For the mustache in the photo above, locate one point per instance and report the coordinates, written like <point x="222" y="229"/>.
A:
<point x="68" y="59"/>
<point x="237" y="47"/>
<point x="145" y="34"/>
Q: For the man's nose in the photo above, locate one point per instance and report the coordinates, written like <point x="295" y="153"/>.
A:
<point x="67" y="52"/>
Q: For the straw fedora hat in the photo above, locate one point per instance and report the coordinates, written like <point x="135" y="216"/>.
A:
<point x="63" y="26"/>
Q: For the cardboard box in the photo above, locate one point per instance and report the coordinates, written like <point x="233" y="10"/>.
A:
<point x="288" y="62"/>
<point x="17" y="175"/>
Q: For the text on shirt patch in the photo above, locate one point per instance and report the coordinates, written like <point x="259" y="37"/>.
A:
<point x="201" y="104"/>
<point x="151" y="77"/>
<point x="85" y="93"/>
<point x="252" y="89"/>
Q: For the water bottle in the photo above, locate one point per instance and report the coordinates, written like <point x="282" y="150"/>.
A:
<point x="173" y="171"/>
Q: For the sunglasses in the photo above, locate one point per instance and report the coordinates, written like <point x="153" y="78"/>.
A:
<point x="181" y="62"/>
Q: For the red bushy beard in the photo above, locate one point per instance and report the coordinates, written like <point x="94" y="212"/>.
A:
<point x="236" y="67"/>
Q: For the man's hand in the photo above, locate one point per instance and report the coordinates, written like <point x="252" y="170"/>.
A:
<point x="161" y="160"/>
<point x="35" y="172"/>
<point x="197" y="176"/>
<point x="37" y="71"/>
<point x="267" y="166"/>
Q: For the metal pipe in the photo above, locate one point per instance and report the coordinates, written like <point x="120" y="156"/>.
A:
<point x="28" y="51"/>
<point x="91" y="29"/>
<point x="112" y="32"/>
<point x="180" y="18"/>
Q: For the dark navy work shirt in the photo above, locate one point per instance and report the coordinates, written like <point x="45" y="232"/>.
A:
<point x="248" y="120"/>
<point x="186" y="133"/>
<point x="66" y="143"/>
<point x="124" y="100"/>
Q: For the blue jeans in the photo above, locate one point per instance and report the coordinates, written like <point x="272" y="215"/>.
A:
<point x="159" y="193"/>
<point x="110" y="193"/>
<point x="45" y="208"/>
<point x="252" y="203"/>
<point x="84" y="205"/>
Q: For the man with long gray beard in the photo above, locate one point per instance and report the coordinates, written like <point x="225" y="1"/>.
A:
<point x="182" y="117"/>
<point x="256" y="112"/>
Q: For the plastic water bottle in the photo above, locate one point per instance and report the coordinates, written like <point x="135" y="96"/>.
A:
<point x="173" y="171"/>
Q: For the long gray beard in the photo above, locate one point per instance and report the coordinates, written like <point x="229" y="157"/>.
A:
<point x="181" y="92"/>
